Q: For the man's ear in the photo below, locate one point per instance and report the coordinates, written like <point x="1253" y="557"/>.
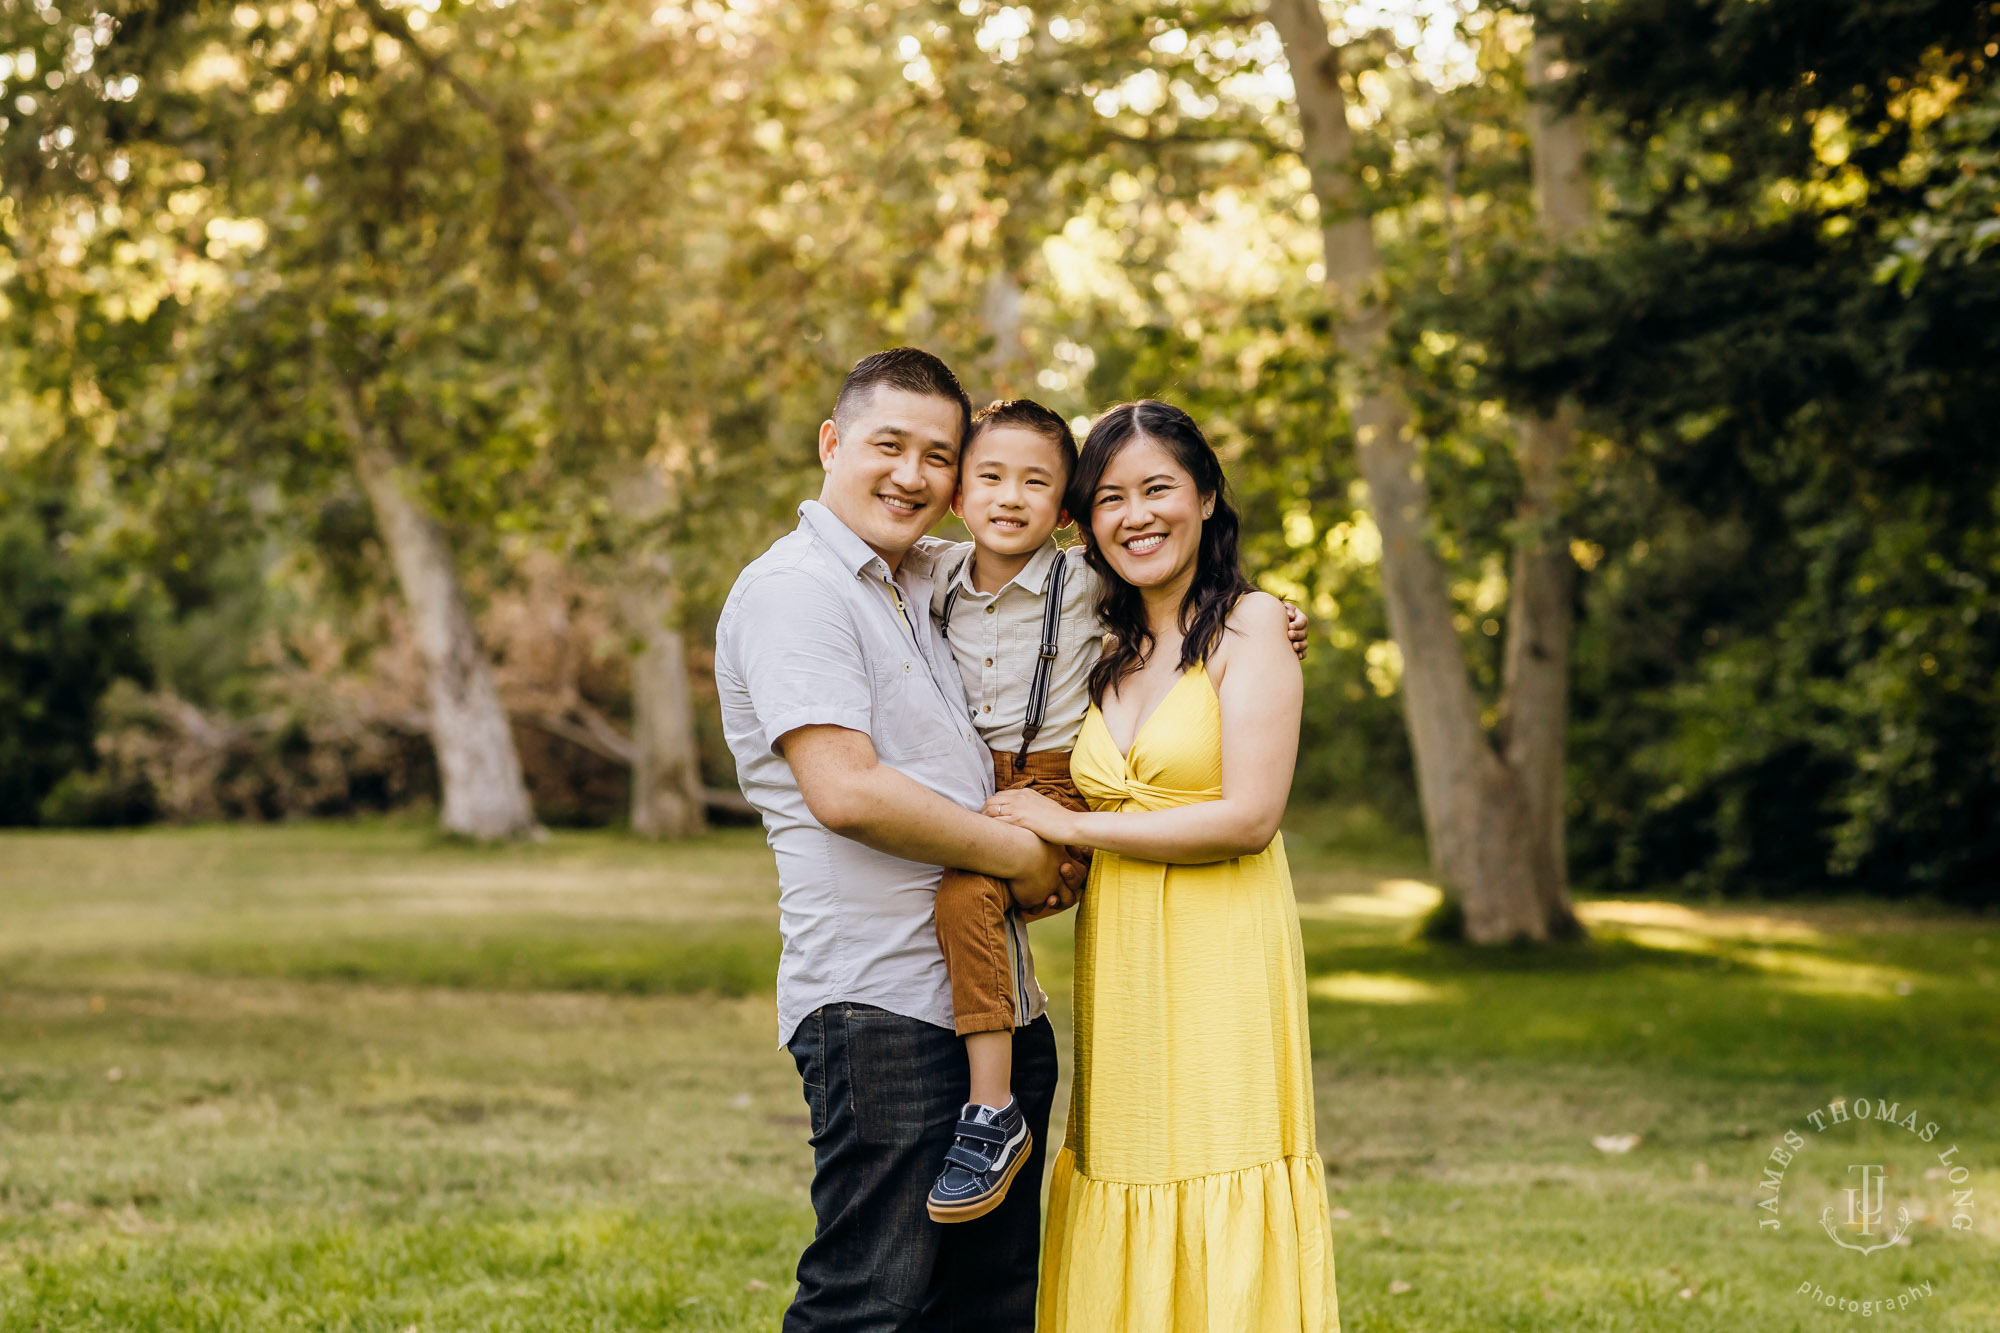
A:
<point x="829" y="440"/>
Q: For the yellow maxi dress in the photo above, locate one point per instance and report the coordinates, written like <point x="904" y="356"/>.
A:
<point x="1189" y="1197"/>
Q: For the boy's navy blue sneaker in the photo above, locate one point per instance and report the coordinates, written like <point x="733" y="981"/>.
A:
<point x="989" y="1151"/>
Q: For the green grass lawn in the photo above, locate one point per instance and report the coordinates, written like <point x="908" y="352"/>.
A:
<point x="357" y="1077"/>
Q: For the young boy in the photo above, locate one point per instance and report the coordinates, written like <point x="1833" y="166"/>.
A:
<point x="1020" y="614"/>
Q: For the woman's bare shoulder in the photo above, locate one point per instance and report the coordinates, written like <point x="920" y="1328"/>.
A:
<point x="1256" y="614"/>
<point x="1257" y="618"/>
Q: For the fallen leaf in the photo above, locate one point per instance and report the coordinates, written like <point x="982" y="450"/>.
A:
<point x="1399" y="1287"/>
<point x="114" y="1075"/>
<point x="1614" y="1143"/>
<point x="1341" y="1214"/>
<point x="755" y="1285"/>
<point x="741" y="1101"/>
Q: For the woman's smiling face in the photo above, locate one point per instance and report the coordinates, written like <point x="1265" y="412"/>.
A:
<point x="1145" y="515"/>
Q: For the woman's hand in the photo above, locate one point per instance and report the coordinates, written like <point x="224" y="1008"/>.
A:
<point x="1296" y="629"/>
<point x="1026" y="808"/>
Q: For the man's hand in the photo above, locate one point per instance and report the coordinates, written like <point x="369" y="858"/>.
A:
<point x="1296" y="629"/>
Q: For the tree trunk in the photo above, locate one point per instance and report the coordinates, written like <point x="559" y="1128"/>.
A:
<point x="1541" y="609"/>
<point x="484" y="794"/>
<point x="667" y="796"/>
<point x="1488" y="844"/>
<point x="1000" y="313"/>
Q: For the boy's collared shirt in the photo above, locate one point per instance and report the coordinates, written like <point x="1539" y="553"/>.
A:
<point x="996" y="638"/>
<point x="817" y="631"/>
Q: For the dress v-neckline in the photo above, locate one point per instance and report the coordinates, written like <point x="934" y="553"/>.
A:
<point x="1140" y="730"/>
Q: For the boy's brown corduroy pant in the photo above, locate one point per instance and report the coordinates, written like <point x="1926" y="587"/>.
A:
<point x="972" y="911"/>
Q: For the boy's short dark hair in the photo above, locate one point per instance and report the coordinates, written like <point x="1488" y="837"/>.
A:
<point x="1029" y="415"/>
<point x="908" y="368"/>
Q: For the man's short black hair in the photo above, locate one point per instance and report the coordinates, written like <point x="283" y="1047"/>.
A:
<point x="1028" y="415"/>
<point x="908" y="368"/>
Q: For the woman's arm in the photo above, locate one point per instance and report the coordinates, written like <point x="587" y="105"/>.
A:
<point x="1262" y="691"/>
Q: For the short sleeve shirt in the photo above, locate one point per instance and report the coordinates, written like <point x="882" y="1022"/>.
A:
<point x="819" y="631"/>
<point x="996" y="638"/>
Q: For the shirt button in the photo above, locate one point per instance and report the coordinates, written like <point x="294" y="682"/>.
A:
<point x="990" y="610"/>
<point x="987" y="709"/>
<point x="906" y="666"/>
<point x="989" y="661"/>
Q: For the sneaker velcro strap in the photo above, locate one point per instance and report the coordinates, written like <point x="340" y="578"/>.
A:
<point x="985" y="1133"/>
<point x="966" y="1157"/>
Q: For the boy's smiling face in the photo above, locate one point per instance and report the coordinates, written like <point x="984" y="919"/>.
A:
<point x="1010" y="489"/>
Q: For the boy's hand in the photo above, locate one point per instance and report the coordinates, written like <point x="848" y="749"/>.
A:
<point x="1296" y="629"/>
<point x="1072" y="873"/>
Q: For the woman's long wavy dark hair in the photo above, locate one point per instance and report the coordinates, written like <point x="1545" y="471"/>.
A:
<point x="1218" y="573"/>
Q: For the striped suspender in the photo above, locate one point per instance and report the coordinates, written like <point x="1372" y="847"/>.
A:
<point x="1045" y="664"/>
<point x="950" y="600"/>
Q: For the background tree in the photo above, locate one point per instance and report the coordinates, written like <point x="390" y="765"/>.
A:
<point x="1789" y="649"/>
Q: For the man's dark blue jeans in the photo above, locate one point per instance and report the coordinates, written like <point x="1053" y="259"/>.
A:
<point x="885" y="1092"/>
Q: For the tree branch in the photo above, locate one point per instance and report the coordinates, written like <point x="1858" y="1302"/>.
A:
<point x="393" y="26"/>
<point x="591" y="730"/>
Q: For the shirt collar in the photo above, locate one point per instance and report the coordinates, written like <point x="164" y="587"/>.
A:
<point x="853" y="554"/>
<point x="1034" y="575"/>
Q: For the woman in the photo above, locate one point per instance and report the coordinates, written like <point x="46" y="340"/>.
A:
<point x="1189" y="1196"/>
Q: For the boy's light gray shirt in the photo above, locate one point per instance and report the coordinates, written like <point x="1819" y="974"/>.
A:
<point x="996" y="637"/>
<point x="812" y="635"/>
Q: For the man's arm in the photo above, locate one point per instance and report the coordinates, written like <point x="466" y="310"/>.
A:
<point x="854" y="794"/>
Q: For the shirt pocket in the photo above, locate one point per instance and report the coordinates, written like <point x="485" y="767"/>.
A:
<point x="911" y="720"/>
<point x="1023" y="649"/>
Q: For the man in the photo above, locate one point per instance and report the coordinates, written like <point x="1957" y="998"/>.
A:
<point x="843" y="707"/>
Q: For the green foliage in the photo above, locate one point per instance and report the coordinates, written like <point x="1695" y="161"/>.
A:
<point x="1785" y="674"/>
<point x="548" y="251"/>
<point x="66" y="632"/>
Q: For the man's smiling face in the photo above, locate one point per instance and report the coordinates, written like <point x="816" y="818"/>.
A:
<point x="891" y="463"/>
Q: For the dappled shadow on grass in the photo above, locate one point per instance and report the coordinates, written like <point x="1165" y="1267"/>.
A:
<point x="1805" y="1009"/>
